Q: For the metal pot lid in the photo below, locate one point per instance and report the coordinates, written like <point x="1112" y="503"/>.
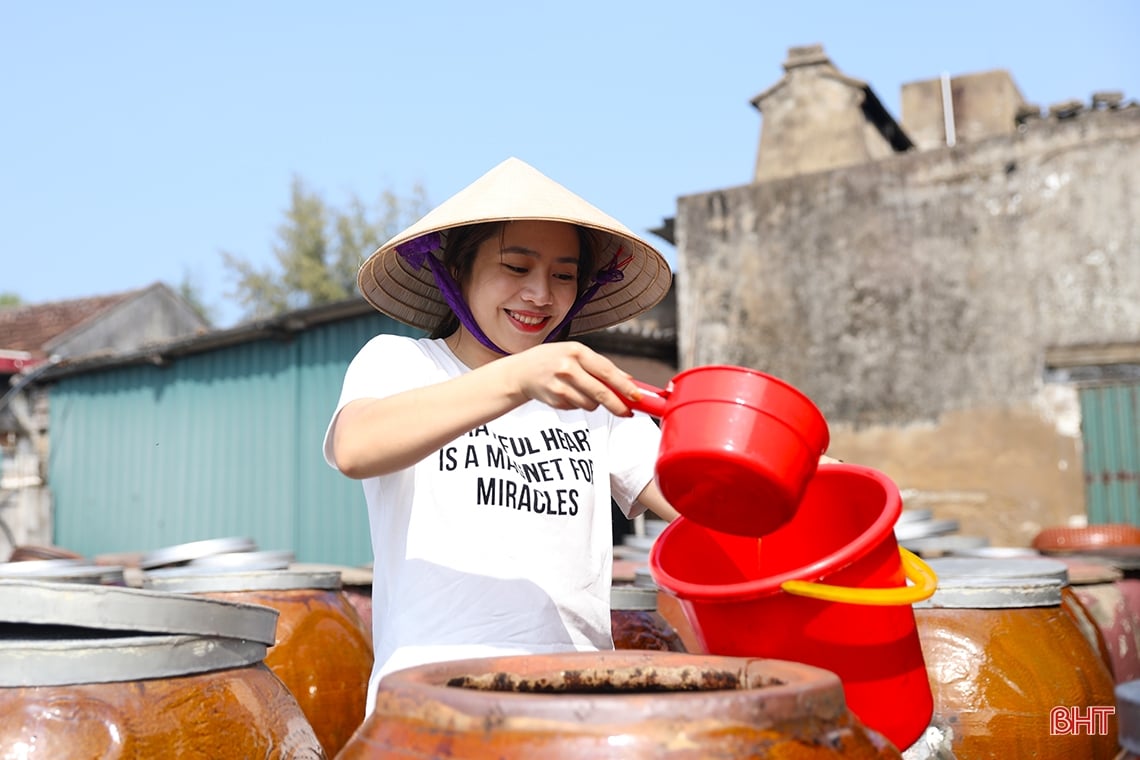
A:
<point x="937" y="545"/>
<point x="924" y="528"/>
<point x="173" y="555"/>
<point x="252" y="560"/>
<point x="1124" y="558"/>
<point x="913" y="515"/>
<point x="643" y="577"/>
<point x="632" y="598"/>
<point x="979" y="592"/>
<point x="194" y="580"/>
<point x="114" y="608"/>
<point x="59" y="659"/>
<point x="996" y="552"/>
<point x="74" y="573"/>
<point x="33" y="566"/>
<point x="349" y="576"/>
<point x="999" y="568"/>
<point x="640" y="543"/>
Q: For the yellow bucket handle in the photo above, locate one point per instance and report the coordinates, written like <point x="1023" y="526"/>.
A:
<point x="924" y="578"/>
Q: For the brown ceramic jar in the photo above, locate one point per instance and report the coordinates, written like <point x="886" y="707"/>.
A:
<point x="1113" y="602"/>
<point x="105" y="672"/>
<point x="614" y="705"/>
<point x="232" y="712"/>
<point x="1001" y="653"/>
<point x="323" y="652"/>
<point x="636" y="623"/>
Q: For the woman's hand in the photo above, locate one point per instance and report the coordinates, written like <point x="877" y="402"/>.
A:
<point x="569" y="375"/>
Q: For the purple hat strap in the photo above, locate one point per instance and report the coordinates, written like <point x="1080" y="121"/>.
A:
<point x="418" y="252"/>
<point x="611" y="272"/>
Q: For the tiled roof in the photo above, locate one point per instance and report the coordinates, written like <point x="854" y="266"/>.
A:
<point x="29" y="328"/>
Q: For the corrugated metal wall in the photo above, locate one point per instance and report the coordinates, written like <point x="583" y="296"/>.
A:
<point x="1110" y="421"/>
<point x="215" y="444"/>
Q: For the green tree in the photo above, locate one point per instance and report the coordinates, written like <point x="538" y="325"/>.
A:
<point x="10" y="299"/>
<point x="319" y="250"/>
<point x="190" y="291"/>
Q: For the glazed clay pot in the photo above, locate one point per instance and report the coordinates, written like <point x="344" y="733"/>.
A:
<point x="1113" y="602"/>
<point x="670" y="608"/>
<point x="233" y="712"/>
<point x="322" y="653"/>
<point x="613" y="705"/>
<point x="1060" y="539"/>
<point x="1001" y="654"/>
<point x="636" y="623"/>
<point x="356" y="585"/>
<point x="106" y="672"/>
<point x="1008" y="562"/>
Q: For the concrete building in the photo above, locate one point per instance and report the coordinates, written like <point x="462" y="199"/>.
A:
<point x="960" y="293"/>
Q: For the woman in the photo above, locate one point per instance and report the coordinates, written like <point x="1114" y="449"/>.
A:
<point x="489" y="452"/>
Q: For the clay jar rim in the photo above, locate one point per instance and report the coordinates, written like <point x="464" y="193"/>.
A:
<point x="1062" y="539"/>
<point x="798" y="690"/>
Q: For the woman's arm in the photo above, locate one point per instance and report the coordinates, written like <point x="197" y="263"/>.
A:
<point x="653" y="500"/>
<point x="376" y="436"/>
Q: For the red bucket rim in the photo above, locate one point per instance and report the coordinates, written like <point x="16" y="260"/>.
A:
<point x="820" y="430"/>
<point x="820" y="568"/>
<point x="705" y="368"/>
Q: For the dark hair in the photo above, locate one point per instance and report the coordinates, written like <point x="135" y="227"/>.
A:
<point x="463" y="243"/>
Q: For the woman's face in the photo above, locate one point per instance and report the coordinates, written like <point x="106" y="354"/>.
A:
<point x="522" y="283"/>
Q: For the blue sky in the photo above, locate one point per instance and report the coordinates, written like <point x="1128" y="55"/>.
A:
<point x="141" y="139"/>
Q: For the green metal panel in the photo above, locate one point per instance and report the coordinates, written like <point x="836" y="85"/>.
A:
<point x="332" y="523"/>
<point x="1110" y="420"/>
<point x="219" y="443"/>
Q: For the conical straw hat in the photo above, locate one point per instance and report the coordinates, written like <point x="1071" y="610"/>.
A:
<point x="514" y="190"/>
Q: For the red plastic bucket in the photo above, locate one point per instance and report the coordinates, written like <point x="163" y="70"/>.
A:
<point x="738" y="447"/>
<point x="746" y="596"/>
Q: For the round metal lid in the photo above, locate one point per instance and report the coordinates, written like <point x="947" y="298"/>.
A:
<point x="633" y="598"/>
<point x="1125" y="558"/>
<point x="252" y="560"/>
<point x="114" y="608"/>
<point x="192" y="580"/>
<point x="967" y="582"/>
<point x="996" y="552"/>
<point x="639" y="543"/>
<point x="349" y="576"/>
<point x="913" y="515"/>
<point x="62" y="658"/>
<point x="938" y="545"/>
<point x="998" y="568"/>
<point x="34" y="566"/>
<point x="643" y="577"/>
<point x="179" y="553"/>
<point x="924" y="528"/>
<point x="63" y="570"/>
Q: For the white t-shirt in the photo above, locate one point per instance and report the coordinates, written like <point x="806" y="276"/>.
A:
<point x="501" y="542"/>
